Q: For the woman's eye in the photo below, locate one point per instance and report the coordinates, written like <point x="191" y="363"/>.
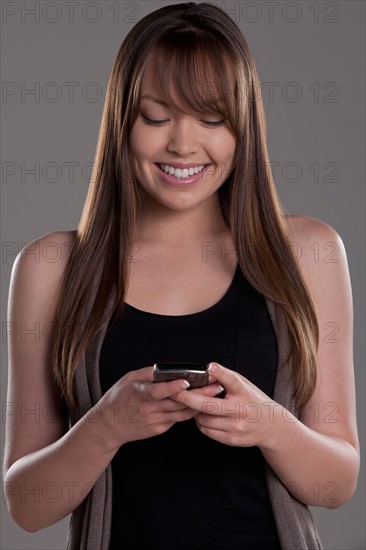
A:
<point x="151" y="121"/>
<point x="216" y="123"/>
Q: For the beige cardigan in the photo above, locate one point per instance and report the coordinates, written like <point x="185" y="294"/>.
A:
<point x="91" y="522"/>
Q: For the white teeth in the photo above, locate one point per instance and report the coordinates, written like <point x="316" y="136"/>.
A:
<point x="179" y="173"/>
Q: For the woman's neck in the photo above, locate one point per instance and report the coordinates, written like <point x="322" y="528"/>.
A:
<point x="158" y="224"/>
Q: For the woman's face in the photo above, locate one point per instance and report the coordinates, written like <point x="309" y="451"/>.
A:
<point x="181" y="140"/>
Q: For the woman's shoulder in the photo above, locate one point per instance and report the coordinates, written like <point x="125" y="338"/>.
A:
<point x="49" y="247"/>
<point x="56" y="237"/>
<point x="317" y="247"/>
<point x="42" y="261"/>
<point x="304" y="225"/>
<point x="302" y="230"/>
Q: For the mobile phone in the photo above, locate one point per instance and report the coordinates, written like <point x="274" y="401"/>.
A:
<point x="195" y="373"/>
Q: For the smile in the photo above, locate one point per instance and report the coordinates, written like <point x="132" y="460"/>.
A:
<point x="181" y="177"/>
<point x="181" y="173"/>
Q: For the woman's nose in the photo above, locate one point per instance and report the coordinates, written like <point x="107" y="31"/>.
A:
<point x="183" y="138"/>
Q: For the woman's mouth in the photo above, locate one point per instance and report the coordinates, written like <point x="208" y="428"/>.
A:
<point x="179" y="176"/>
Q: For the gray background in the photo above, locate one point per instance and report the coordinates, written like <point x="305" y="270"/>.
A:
<point x="310" y="54"/>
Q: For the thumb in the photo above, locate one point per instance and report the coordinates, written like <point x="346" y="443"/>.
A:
<point x="231" y="380"/>
<point x="144" y="374"/>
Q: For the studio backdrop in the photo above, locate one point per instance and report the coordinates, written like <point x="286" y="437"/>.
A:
<point x="56" y="58"/>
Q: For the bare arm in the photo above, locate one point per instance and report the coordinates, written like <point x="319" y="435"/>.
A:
<point x="48" y="469"/>
<point x="316" y="456"/>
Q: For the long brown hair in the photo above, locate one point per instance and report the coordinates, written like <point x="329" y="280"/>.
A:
<point x="198" y="45"/>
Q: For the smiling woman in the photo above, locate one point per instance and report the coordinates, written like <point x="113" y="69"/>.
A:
<point x="182" y="172"/>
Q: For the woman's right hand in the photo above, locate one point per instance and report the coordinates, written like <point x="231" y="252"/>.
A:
<point x="136" y="408"/>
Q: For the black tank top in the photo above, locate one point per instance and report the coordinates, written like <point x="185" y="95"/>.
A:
<point x="183" y="490"/>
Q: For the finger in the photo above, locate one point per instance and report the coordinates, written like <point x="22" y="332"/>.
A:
<point x="199" y="402"/>
<point x="167" y="405"/>
<point x="209" y="391"/>
<point x="146" y="373"/>
<point x="180" y="416"/>
<point x="209" y="421"/>
<point x="172" y="418"/>
<point x="230" y="379"/>
<point x="217" y="435"/>
<point x="162" y="390"/>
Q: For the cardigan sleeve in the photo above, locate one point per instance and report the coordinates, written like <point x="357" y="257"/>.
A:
<point x="295" y="525"/>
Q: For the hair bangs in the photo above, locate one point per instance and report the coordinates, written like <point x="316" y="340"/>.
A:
<point x="199" y="73"/>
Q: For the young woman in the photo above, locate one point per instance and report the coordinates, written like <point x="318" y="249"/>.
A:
<point x="183" y="253"/>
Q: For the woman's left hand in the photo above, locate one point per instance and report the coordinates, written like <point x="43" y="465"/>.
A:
<point x="241" y="419"/>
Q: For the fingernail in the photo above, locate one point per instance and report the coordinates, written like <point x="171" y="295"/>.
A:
<point x="184" y="384"/>
<point x="212" y="367"/>
<point x="219" y="389"/>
